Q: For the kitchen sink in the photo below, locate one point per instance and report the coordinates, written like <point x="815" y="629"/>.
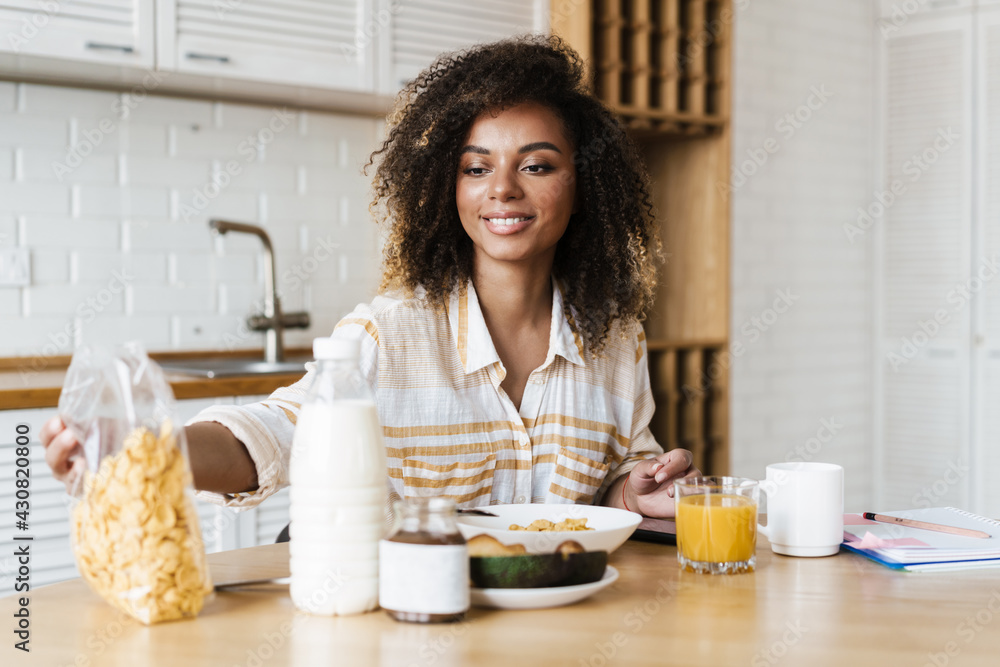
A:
<point x="217" y="368"/>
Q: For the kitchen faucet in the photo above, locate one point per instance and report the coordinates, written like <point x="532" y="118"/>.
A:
<point x="272" y="321"/>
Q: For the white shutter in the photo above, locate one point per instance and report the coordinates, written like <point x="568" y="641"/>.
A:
<point x="48" y="518"/>
<point x="325" y="44"/>
<point x="118" y="32"/>
<point x="925" y="242"/>
<point x="423" y="29"/>
<point x="48" y="523"/>
<point x="986" y="351"/>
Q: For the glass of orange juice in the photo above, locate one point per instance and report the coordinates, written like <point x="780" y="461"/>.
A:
<point x="716" y="524"/>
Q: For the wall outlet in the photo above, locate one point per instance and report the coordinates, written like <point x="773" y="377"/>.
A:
<point x="15" y="267"/>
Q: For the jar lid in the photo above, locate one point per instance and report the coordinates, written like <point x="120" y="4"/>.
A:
<point x="336" y="348"/>
<point x="440" y="503"/>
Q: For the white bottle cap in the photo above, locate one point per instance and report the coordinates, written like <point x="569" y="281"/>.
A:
<point x="336" y="348"/>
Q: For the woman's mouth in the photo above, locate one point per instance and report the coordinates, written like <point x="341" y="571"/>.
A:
<point x="507" y="221"/>
<point x="507" y="224"/>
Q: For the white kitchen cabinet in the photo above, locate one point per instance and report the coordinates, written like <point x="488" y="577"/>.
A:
<point x="419" y="30"/>
<point x="111" y="32"/>
<point x="349" y="55"/>
<point x="298" y="42"/>
<point x="343" y="44"/>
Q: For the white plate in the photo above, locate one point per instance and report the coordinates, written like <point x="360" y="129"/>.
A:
<point x="539" y="598"/>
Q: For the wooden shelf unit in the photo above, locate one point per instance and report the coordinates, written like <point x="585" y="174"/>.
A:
<point x="690" y="389"/>
<point x="664" y="67"/>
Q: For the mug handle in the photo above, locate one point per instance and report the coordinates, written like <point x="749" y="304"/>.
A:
<point x="762" y="528"/>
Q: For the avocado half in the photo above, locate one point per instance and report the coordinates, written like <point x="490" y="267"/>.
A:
<point x="537" y="570"/>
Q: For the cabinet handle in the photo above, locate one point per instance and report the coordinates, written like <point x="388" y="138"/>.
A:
<point x="206" y="56"/>
<point x="110" y="47"/>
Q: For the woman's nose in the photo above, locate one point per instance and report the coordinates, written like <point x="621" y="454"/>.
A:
<point x="504" y="185"/>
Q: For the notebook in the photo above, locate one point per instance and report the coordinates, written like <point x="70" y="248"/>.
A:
<point x="915" y="549"/>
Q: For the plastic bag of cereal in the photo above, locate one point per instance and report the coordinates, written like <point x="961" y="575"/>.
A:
<point x="135" y="529"/>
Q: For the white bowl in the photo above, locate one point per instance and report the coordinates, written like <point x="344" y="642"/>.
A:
<point x="611" y="526"/>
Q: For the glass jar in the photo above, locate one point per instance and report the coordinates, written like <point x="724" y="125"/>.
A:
<point x="424" y="566"/>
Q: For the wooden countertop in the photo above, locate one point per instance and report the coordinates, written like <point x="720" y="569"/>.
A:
<point x="840" y="610"/>
<point x="35" y="382"/>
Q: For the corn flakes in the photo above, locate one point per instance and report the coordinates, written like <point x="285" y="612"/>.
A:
<point x="135" y="532"/>
<point x="544" y="525"/>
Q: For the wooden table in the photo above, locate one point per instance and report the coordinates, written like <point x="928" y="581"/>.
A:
<point x="842" y="610"/>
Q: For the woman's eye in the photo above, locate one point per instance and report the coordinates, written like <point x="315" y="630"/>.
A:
<point x="537" y="168"/>
<point x="475" y="171"/>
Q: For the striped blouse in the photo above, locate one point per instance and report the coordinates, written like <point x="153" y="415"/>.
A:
<point x="449" y="427"/>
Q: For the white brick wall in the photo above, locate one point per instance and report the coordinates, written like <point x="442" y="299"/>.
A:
<point x="90" y="192"/>
<point x="813" y="362"/>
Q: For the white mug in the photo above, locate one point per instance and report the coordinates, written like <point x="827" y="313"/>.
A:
<point x="805" y="508"/>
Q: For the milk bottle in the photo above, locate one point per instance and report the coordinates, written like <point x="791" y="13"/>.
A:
<point x="338" y="488"/>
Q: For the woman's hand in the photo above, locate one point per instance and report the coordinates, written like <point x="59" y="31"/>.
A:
<point x="60" y="445"/>
<point x="649" y="488"/>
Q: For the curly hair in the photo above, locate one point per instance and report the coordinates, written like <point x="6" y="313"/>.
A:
<point x="606" y="260"/>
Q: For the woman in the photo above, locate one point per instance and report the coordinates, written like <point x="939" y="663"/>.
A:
<point x="505" y="349"/>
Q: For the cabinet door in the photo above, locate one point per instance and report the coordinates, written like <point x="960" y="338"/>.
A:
<point x="117" y="32"/>
<point x="923" y="216"/>
<point x="300" y="42"/>
<point x="423" y="29"/>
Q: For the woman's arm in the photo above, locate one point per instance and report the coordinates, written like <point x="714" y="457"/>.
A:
<point x="613" y="496"/>
<point x="219" y="461"/>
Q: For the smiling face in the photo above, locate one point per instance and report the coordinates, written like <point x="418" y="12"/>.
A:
<point x="516" y="185"/>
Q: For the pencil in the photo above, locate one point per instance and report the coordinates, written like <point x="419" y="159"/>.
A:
<point x="912" y="523"/>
